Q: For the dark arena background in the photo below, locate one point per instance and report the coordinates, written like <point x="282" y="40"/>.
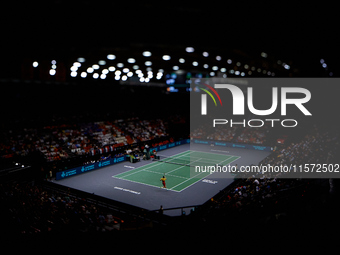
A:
<point x="90" y="90"/>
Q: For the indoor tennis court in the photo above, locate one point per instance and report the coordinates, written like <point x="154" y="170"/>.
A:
<point x="178" y="170"/>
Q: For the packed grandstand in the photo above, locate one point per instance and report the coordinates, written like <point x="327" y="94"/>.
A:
<point x="68" y="145"/>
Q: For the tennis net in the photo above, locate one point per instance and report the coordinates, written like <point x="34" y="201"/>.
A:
<point x="189" y="161"/>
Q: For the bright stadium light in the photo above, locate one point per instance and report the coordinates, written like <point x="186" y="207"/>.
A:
<point x="102" y="76"/>
<point x="135" y="67"/>
<point x="54" y="66"/>
<point x="141" y="79"/>
<point x="131" y="60"/>
<point x="117" y="77"/>
<point x="124" y="77"/>
<point x="81" y="60"/>
<point x="117" y="73"/>
<point x="89" y="70"/>
<point x="175" y="68"/>
<point x="223" y="70"/>
<point x="146" y="53"/>
<point x="189" y="49"/>
<point x="95" y="66"/>
<point x="215" y="68"/>
<point x="166" y="57"/>
<point x="111" y="57"/>
<point x="120" y="65"/>
<point x="146" y="79"/>
<point x="52" y="72"/>
<point x="182" y="60"/>
<point x="112" y="68"/>
<point x="74" y="68"/>
<point x="205" y="66"/>
<point x="229" y="61"/>
<point x="205" y="54"/>
<point x="74" y="74"/>
<point x="95" y="76"/>
<point x="35" y="64"/>
<point x="77" y="64"/>
<point x="105" y="71"/>
<point x="218" y="58"/>
<point x="195" y="63"/>
<point x="148" y="63"/>
<point x="129" y="74"/>
<point x="102" y="62"/>
<point x="83" y="74"/>
<point x="126" y="70"/>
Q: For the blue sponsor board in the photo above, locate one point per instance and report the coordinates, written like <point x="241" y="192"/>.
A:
<point x="201" y="141"/>
<point x="83" y="169"/>
<point x="235" y="145"/>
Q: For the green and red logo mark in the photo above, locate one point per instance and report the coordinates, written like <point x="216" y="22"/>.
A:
<point x="204" y="98"/>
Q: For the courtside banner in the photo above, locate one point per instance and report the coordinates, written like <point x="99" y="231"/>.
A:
<point x="294" y="120"/>
<point x="89" y="167"/>
<point x="94" y="166"/>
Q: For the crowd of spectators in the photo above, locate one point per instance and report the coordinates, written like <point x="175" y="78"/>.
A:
<point x="95" y="138"/>
<point x="30" y="208"/>
<point x="33" y="209"/>
<point x="254" y="135"/>
<point x="255" y="193"/>
<point x="239" y="134"/>
<point x="315" y="147"/>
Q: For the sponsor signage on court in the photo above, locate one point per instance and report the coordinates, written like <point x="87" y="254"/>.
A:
<point x="235" y="145"/>
<point x="83" y="169"/>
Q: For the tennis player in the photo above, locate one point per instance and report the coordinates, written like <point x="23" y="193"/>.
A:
<point x="163" y="181"/>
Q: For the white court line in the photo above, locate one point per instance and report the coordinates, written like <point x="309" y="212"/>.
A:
<point x="185" y="181"/>
<point x="158" y="187"/>
<point x="167" y="173"/>
<point x="153" y="165"/>
<point x="200" y="178"/>
<point x="228" y="159"/>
